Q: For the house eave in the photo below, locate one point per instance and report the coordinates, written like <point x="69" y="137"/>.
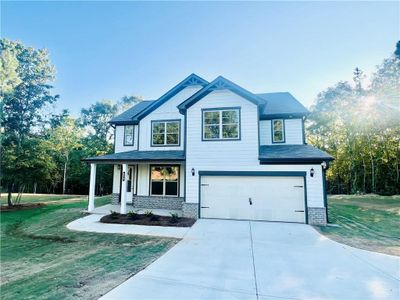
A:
<point x="294" y="161"/>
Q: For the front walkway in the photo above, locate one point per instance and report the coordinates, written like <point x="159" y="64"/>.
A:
<point x="221" y="259"/>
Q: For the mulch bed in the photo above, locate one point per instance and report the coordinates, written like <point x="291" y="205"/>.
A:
<point x="154" y="220"/>
<point x="21" y="206"/>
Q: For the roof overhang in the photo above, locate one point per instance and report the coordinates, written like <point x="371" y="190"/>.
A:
<point x="138" y="156"/>
<point x="283" y="116"/>
<point x="295" y="161"/>
<point x="292" y="154"/>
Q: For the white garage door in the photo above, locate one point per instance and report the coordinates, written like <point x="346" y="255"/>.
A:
<point x="269" y="198"/>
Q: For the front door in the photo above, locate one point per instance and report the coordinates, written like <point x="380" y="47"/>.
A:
<point x="130" y="184"/>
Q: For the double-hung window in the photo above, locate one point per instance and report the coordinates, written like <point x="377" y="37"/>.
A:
<point x="165" y="133"/>
<point x="221" y="124"/>
<point x="164" y="181"/>
<point x="128" y="135"/>
<point x="278" y="131"/>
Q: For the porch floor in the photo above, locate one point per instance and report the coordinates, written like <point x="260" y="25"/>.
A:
<point x="106" y="209"/>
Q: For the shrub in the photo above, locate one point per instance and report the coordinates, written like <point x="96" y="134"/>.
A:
<point x="174" y="217"/>
<point x="114" y="214"/>
<point x="148" y="213"/>
<point x="132" y="215"/>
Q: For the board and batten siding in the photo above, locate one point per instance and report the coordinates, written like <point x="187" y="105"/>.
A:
<point x="167" y="111"/>
<point x="293" y="132"/>
<point x="116" y="179"/>
<point x="237" y="155"/>
<point x="119" y="139"/>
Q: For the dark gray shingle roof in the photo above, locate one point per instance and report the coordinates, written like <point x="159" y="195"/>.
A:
<point x="283" y="104"/>
<point x="292" y="154"/>
<point x="139" y="156"/>
<point x="127" y="117"/>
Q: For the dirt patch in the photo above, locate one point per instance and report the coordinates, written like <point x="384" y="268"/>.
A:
<point x="364" y="244"/>
<point x="20" y="206"/>
<point x="149" y="220"/>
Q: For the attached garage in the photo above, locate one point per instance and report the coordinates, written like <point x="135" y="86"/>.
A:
<point x="266" y="196"/>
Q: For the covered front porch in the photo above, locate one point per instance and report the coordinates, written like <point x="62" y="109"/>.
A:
<point x="142" y="180"/>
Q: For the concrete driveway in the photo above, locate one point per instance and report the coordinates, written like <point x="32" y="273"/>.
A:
<point x="221" y="259"/>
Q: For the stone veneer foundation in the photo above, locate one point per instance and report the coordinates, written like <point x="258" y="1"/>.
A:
<point x="190" y="210"/>
<point x="317" y="216"/>
<point x="173" y="203"/>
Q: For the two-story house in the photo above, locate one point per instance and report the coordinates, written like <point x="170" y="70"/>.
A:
<point x="216" y="150"/>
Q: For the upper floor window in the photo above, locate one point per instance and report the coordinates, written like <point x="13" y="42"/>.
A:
<point x="165" y="133"/>
<point x="221" y="124"/>
<point x="128" y="135"/>
<point x="278" y="131"/>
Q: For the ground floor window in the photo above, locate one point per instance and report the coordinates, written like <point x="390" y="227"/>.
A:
<point x="164" y="180"/>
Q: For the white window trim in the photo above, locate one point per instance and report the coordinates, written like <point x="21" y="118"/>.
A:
<point x="220" y="110"/>
<point x="165" y="144"/>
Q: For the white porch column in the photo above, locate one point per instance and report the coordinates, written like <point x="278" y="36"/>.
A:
<point x="123" y="188"/>
<point x="92" y="187"/>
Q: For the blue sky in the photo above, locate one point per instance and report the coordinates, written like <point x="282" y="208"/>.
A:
<point x="105" y="50"/>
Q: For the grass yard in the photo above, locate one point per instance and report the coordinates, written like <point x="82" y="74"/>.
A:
<point x="42" y="259"/>
<point x="31" y="198"/>
<point x="367" y="221"/>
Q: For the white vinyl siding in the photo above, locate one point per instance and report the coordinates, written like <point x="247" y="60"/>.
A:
<point x="239" y="155"/>
<point x="293" y="132"/>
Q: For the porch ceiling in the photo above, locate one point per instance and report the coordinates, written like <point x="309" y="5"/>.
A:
<point x="138" y="156"/>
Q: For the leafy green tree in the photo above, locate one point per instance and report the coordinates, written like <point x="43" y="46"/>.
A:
<point x="31" y="74"/>
<point x="65" y="139"/>
<point x="9" y="78"/>
<point x="360" y="126"/>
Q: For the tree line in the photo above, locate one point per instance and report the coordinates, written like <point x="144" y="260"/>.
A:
<point x="357" y="122"/>
<point x="41" y="150"/>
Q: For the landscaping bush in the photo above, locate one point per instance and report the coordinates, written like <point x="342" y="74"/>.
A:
<point x="174" y="217"/>
<point x="114" y="214"/>
<point x="132" y="215"/>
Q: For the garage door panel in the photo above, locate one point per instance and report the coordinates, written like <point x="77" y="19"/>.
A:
<point x="253" y="197"/>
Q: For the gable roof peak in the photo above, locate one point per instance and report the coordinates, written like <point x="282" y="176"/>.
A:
<point x="219" y="83"/>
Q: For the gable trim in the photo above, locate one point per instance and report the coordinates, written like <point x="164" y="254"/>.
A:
<point x="220" y="83"/>
<point x="191" y="80"/>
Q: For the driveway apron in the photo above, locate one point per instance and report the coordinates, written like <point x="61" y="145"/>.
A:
<point x="226" y="259"/>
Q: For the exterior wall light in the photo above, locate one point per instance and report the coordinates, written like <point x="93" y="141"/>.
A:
<point x="193" y="172"/>
<point x="312" y="172"/>
<point x="324" y="165"/>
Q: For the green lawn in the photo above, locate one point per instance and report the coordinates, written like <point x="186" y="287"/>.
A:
<point x="369" y="222"/>
<point x="30" y="198"/>
<point x="42" y="259"/>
